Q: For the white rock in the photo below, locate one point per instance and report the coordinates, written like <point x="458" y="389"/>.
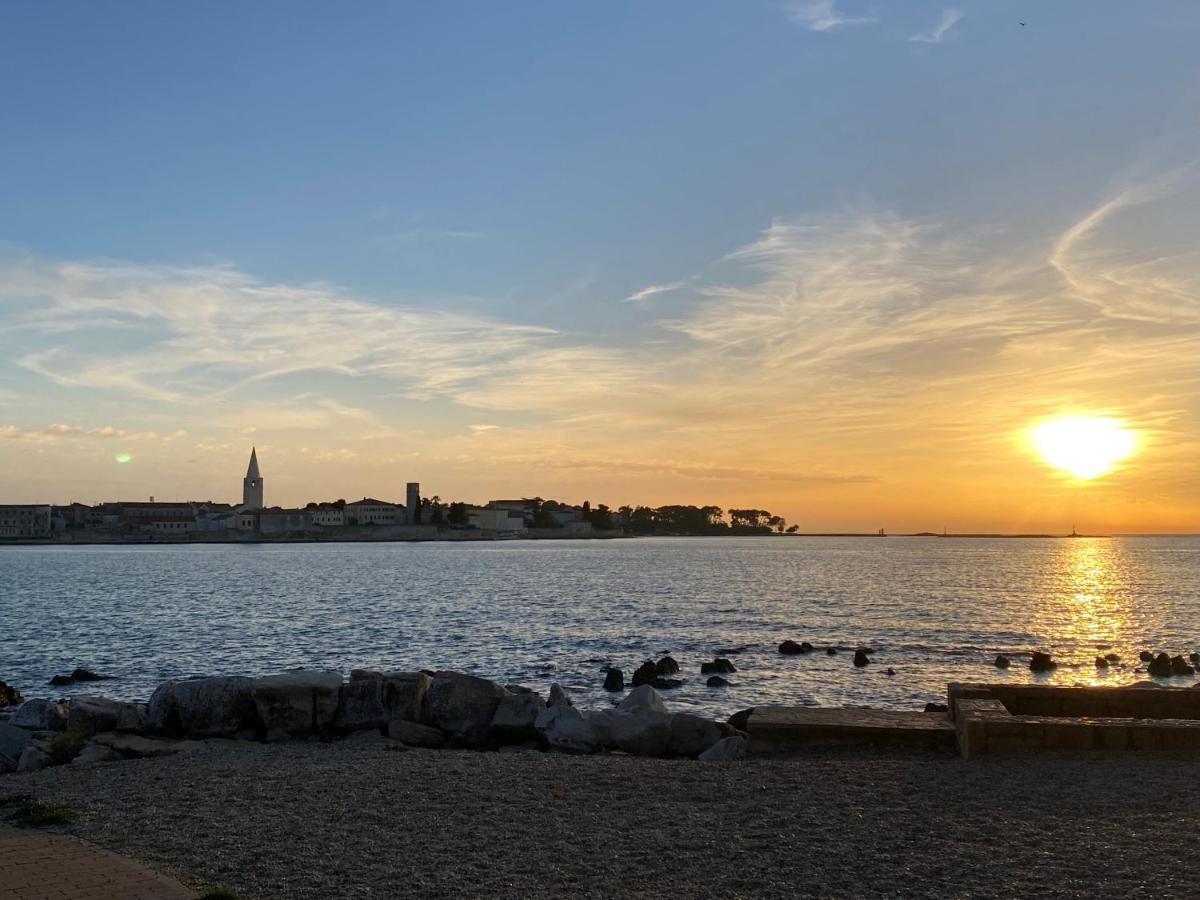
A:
<point x="725" y="750"/>
<point x="643" y="698"/>
<point x="565" y="728"/>
<point x="640" y="733"/>
<point x="462" y="704"/>
<point x="295" y="702"/>
<point x="558" y="696"/>
<point x="404" y="695"/>
<point x="40" y="715"/>
<point x="515" y="716"/>
<point x="691" y="735"/>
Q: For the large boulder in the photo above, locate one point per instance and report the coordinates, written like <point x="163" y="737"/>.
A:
<point x="1042" y="662"/>
<point x="220" y="706"/>
<point x="614" y="680"/>
<point x="725" y="750"/>
<point x="33" y="758"/>
<point x="639" y="732"/>
<point x="462" y="704"/>
<point x="40" y="715"/>
<point x="643" y="699"/>
<point x="417" y="735"/>
<point x="90" y="714"/>
<point x="404" y="695"/>
<point x="691" y="735"/>
<point x="1180" y="666"/>
<point x="296" y="702"/>
<point x="558" y="696"/>
<point x="13" y="741"/>
<point x="516" y="717"/>
<point x="361" y="705"/>
<point x="566" y="728"/>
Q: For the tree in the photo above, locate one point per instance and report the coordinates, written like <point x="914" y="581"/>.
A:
<point x="792" y="529"/>
<point x="601" y="518"/>
<point x="457" y="514"/>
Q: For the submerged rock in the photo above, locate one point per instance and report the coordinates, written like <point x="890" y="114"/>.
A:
<point x="720" y="665"/>
<point x="1160" y="666"/>
<point x="666" y="666"/>
<point x="789" y="648"/>
<point x="9" y="696"/>
<point x="80" y="674"/>
<point x="717" y="681"/>
<point x="1145" y="656"/>
<point x="1112" y="657"/>
<point x="861" y="658"/>
<point x="1101" y="662"/>
<point x="936" y="708"/>
<point x="1179" y="666"/>
<point x="1002" y="661"/>
<point x="1042" y="662"/>
<point x="614" y="680"/>
<point x="831" y="651"/>
<point x="645" y="673"/>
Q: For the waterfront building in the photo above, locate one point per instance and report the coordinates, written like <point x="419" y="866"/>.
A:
<point x="502" y="520"/>
<point x="24" y="521"/>
<point x="369" y="511"/>
<point x="327" y="515"/>
<point x="252" y="484"/>
<point x="275" y="520"/>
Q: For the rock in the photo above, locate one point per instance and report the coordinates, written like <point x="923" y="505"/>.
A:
<point x="614" y="680"/>
<point x="523" y="747"/>
<point x="32" y="759"/>
<point x="790" y="648"/>
<point x="741" y="719"/>
<point x="1160" y="666"/>
<point x="404" y="695"/>
<point x="1179" y="666"/>
<point x="691" y="735"/>
<point x="516" y="716"/>
<point x="1101" y="662"/>
<point x="717" y="681"/>
<point x="1194" y="658"/>
<point x="866" y="650"/>
<point x="646" y="673"/>
<point x="666" y="666"/>
<point x="462" y="704"/>
<point x="639" y="732"/>
<point x="936" y="708"/>
<point x="13" y="741"/>
<point x="1002" y="661"/>
<point x="861" y="658"/>
<point x="719" y="665"/>
<point x="61" y="680"/>
<point x="89" y="714"/>
<point x="360" y="704"/>
<point x="87" y="675"/>
<point x="566" y="728"/>
<point x="1041" y="662"/>
<point x="220" y="706"/>
<point x="643" y="699"/>
<point x="295" y="702"/>
<point x="890" y="671"/>
<point x="728" y="749"/>
<point x="135" y="746"/>
<point x="1112" y="657"/>
<point x="416" y="734"/>
<point x="1145" y="656"/>
<point x="831" y="651"/>
<point x="95" y="753"/>
<point x="9" y="696"/>
<point x="40" y="715"/>
<point x="666" y="684"/>
<point x="558" y="696"/>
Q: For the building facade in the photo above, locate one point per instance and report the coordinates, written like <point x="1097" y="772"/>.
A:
<point x="24" y="521"/>
<point x="369" y="511"/>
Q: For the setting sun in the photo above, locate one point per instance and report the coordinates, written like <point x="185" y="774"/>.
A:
<point x="1085" y="446"/>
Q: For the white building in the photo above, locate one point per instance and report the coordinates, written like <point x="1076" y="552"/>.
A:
<point x="328" y="515"/>
<point x="24" y="521"/>
<point x="369" y="511"/>
<point x="488" y="519"/>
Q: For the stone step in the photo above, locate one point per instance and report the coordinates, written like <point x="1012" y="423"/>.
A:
<point x="778" y="730"/>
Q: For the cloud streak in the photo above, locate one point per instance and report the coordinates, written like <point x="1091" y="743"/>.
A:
<point x="823" y="15"/>
<point x="935" y="35"/>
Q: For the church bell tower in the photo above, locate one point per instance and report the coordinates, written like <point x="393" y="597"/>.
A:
<point x="252" y="484"/>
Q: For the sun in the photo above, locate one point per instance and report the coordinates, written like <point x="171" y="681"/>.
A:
<point x="1085" y="446"/>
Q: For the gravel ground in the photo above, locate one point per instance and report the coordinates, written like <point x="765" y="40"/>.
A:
<point x="352" y="819"/>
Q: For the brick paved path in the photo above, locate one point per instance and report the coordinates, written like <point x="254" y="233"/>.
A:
<point x="39" y="866"/>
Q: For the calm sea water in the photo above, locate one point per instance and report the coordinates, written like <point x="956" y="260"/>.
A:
<point x="535" y="612"/>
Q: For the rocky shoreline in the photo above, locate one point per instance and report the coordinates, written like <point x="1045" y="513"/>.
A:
<point x="428" y="709"/>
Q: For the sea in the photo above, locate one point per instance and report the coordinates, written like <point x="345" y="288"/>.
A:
<point x="933" y="610"/>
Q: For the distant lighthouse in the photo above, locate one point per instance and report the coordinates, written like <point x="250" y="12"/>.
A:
<point x="252" y="484"/>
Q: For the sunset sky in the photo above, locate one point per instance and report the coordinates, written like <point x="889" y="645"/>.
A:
<point x="833" y="259"/>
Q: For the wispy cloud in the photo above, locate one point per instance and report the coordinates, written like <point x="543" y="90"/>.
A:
<point x="651" y="290"/>
<point x="823" y="15"/>
<point x="935" y="35"/>
<point x="50" y="433"/>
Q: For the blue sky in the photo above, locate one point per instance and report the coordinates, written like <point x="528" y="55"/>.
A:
<point x="526" y="168"/>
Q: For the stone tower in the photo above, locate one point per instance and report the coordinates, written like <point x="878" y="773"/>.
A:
<point x="412" y="506"/>
<point x="252" y="484"/>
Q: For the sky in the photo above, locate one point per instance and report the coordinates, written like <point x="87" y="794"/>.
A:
<point x="831" y="259"/>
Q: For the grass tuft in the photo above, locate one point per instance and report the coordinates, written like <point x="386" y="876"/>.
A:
<point x="66" y="745"/>
<point x="220" y="892"/>
<point x="30" y="813"/>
